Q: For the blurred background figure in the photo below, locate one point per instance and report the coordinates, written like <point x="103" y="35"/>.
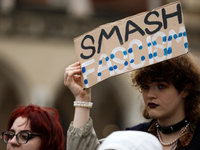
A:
<point x="36" y="45"/>
<point x="130" y="140"/>
<point x="7" y="6"/>
<point x="79" y="8"/>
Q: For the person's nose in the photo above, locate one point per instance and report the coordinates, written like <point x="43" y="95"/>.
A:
<point x="14" y="142"/>
<point x="152" y="92"/>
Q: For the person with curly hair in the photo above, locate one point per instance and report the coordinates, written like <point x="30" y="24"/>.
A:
<point x="171" y="94"/>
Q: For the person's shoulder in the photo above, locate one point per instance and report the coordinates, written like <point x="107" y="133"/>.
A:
<point x="142" y="126"/>
<point x="197" y="130"/>
<point x="194" y="143"/>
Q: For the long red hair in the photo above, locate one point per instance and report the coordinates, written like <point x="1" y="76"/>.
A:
<point x="43" y="120"/>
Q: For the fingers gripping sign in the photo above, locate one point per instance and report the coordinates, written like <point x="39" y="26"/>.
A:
<point x="73" y="80"/>
<point x="72" y="74"/>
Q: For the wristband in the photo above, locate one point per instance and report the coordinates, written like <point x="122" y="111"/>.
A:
<point x="83" y="104"/>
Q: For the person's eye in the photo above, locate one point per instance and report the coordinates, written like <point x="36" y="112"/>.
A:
<point x="23" y="136"/>
<point x="144" y="87"/>
<point x="161" y="86"/>
<point x="9" y="136"/>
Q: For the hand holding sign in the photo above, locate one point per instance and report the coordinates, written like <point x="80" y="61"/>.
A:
<point x="72" y="80"/>
<point x="131" y="43"/>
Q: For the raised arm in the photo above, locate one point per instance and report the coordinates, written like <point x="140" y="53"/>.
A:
<point x="72" y="80"/>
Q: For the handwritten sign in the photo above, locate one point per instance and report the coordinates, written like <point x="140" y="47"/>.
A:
<point x="131" y="43"/>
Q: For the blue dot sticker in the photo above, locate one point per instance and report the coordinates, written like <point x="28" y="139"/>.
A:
<point x="184" y="34"/>
<point x="149" y="44"/>
<point x="130" y="50"/>
<point x="115" y="67"/>
<point x="100" y="62"/>
<point x="186" y="45"/>
<point x="111" y="68"/>
<point x="125" y="53"/>
<point x="164" y="38"/>
<point x="140" y="47"/>
<point x="112" y="56"/>
<point x="165" y="52"/>
<point x="142" y="58"/>
<point x="175" y="36"/>
<point x="180" y="34"/>
<point x="132" y="61"/>
<point x="99" y="74"/>
<point x="86" y="81"/>
<point x="170" y="38"/>
<point x="150" y="56"/>
<point x="154" y="43"/>
<point x="125" y="63"/>
<point x="169" y="50"/>
<point x="83" y="69"/>
<point x="107" y="58"/>
<point x="155" y="54"/>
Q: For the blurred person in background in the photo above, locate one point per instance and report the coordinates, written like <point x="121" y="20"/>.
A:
<point x="130" y="140"/>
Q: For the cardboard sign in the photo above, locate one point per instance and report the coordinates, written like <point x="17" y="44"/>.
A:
<point x="131" y="43"/>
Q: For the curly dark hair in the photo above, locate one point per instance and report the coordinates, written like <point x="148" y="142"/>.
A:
<point x="182" y="72"/>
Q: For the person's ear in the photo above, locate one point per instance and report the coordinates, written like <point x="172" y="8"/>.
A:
<point x="186" y="90"/>
<point x="185" y="94"/>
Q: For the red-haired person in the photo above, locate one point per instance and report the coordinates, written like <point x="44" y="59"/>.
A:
<point x="34" y="128"/>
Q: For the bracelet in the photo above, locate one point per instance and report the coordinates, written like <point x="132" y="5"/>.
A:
<point x="83" y="104"/>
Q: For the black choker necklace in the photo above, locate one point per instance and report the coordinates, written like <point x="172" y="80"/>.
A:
<point x="172" y="128"/>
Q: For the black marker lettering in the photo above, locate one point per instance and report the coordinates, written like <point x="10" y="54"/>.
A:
<point x="137" y="28"/>
<point x="88" y="47"/>
<point x="166" y="16"/>
<point x="146" y="21"/>
<point x="103" y="33"/>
